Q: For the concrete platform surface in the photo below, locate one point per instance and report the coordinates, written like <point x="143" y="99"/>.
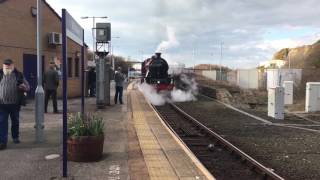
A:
<point x="137" y="146"/>
<point x="164" y="154"/>
<point x="27" y="159"/>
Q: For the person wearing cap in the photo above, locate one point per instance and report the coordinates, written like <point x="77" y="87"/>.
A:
<point x="12" y="89"/>
<point x="51" y="84"/>
<point x="119" y="79"/>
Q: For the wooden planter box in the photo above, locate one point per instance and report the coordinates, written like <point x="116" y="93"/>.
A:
<point x="85" y="148"/>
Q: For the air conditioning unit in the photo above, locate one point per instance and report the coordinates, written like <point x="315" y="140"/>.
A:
<point x="55" y="38"/>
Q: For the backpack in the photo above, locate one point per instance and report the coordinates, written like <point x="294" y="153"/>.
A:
<point x="22" y="94"/>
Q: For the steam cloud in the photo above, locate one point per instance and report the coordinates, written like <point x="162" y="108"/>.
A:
<point x="151" y="94"/>
<point x="171" y="42"/>
<point x="176" y="95"/>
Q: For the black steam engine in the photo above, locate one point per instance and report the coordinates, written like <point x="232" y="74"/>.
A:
<point x="154" y="71"/>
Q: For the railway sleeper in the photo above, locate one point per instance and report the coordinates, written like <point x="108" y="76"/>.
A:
<point x="198" y="144"/>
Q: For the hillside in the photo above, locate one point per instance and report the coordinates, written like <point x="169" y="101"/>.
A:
<point x="307" y="57"/>
<point x="212" y="66"/>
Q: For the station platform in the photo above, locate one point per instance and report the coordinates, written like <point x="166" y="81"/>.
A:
<point x="165" y="156"/>
<point x="137" y="146"/>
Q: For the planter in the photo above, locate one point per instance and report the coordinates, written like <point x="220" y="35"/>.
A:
<point x="85" y="148"/>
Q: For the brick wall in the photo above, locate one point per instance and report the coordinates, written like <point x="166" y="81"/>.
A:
<point x="18" y="37"/>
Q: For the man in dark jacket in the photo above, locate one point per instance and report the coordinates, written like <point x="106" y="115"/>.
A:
<point x="92" y="81"/>
<point x="119" y="79"/>
<point x="12" y="88"/>
<point x="51" y="83"/>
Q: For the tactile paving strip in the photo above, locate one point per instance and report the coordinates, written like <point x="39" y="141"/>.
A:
<point x="156" y="161"/>
<point x="163" y="156"/>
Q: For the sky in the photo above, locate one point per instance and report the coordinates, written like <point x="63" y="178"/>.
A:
<point x="233" y="33"/>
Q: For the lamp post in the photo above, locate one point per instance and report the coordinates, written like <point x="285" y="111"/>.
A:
<point x="39" y="104"/>
<point x="112" y="58"/>
<point x="93" y="26"/>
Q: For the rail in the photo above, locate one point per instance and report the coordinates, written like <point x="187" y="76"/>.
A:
<point x="266" y="172"/>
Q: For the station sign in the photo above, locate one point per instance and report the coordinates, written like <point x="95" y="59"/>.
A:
<point x="73" y="29"/>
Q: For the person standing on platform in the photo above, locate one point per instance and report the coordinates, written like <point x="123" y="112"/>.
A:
<point x="119" y="80"/>
<point x="51" y="84"/>
<point x="12" y="95"/>
<point x="92" y="82"/>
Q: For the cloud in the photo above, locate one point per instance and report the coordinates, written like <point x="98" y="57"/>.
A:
<point x="201" y="25"/>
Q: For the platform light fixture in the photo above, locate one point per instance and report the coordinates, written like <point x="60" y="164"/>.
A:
<point x="77" y="54"/>
<point x="33" y="11"/>
<point x="93" y="27"/>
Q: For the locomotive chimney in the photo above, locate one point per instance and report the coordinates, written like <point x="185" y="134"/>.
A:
<point x="158" y="54"/>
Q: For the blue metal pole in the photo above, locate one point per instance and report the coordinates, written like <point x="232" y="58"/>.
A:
<point x="64" y="89"/>
<point x="82" y="75"/>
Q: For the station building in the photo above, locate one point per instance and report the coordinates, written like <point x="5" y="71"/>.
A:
<point x="18" y="41"/>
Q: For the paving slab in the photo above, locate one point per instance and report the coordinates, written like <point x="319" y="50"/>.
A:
<point x="27" y="159"/>
<point x="137" y="146"/>
<point x="164" y="156"/>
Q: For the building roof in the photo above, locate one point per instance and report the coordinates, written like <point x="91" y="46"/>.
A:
<point x="57" y="15"/>
<point x="54" y="12"/>
<point x="273" y="62"/>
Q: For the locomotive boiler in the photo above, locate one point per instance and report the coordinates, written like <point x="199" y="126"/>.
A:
<point x="154" y="71"/>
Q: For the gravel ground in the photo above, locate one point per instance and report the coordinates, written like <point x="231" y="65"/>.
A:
<point x="218" y="160"/>
<point x="310" y="122"/>
<point x="314" y="117"/>
<point x="288" y="119"/>
<point x="292" y="153"/>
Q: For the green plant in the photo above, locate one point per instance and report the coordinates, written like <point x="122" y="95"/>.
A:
<point x="87" y="125"/>
<point x="316" y="63"/>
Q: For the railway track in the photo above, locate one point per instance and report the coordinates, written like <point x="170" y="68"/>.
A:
<point x="302" y="122"/>
<point x="220" y="157"/>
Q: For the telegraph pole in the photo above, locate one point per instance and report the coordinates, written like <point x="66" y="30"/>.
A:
<point x="289" y="59"/>
<point x="221" y="60"/>
<point x="39" y="104"/>
<point x="194" y="66"/>
<point x="210" y="63"/>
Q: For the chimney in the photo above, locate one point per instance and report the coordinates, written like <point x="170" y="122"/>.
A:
<point x="158" y="55"/>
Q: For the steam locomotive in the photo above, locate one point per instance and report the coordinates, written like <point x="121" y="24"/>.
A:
<point x="154" y="71"/>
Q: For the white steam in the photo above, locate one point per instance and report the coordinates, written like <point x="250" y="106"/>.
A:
<point x="189" y="93"/>
<point x="171" y="42"/>
<point x="192" y="84"/>
<point x="176" y="95"/>
<point x="151" y="94"/>
<point x="176" y="68"/>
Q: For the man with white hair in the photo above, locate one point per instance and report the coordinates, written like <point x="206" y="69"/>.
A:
<point x="12" y="89"/>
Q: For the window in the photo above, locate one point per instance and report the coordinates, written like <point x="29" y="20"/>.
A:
<point x="69" y="67"/>
<point x="76" y="67"/>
